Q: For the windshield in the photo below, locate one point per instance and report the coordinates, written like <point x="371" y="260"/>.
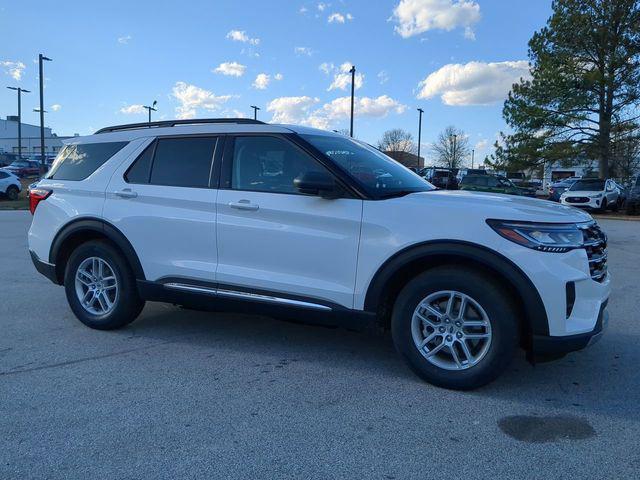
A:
<point x="588" y="186"/>
<point x="377" y="173"/>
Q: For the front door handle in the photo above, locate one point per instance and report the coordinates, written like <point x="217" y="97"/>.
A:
<point x="244" y="205"/>
<point x="126" y="193"/>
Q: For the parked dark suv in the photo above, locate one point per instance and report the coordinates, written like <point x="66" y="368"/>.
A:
<point x="444" y="178"/>
<point x="494" y="184"/>
<point x="633" y="199"/>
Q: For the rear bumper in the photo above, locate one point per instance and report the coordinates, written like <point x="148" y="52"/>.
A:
<point x="45" y="268"/>
<point x="544" y="346"/>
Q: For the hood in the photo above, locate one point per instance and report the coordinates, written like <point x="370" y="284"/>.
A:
<point x="583" y="193"/>
<point x="497" y="206"/>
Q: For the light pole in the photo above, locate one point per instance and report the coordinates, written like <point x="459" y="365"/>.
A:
<point x="453" y="154"/>
<point x="353" y="88"/>
<point x="473" y="154"/>
<point x="19" y="90"/>
<point x="255" y="112"/>
<point x="41" y="59"/>
<point x="152" y="107"/>
<point x="419" y="131"/>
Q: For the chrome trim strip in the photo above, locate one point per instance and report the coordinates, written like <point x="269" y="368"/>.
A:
<point x="246" y="296"/>
<point x="191" y="288"/>
<point x="272" y="299"/>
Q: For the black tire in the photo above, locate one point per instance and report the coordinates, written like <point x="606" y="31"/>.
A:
<point x="616" y="206"/>
<point x="128" y="304"/>
<point x="489" y="295"/>
<point x="12" y="192"/>
<point x="604" y="206"/>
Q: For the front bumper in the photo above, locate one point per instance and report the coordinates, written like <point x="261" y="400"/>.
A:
<point x="544" y="346"/>
<point x="592" y="204"/>
<point x="45" y="268"/>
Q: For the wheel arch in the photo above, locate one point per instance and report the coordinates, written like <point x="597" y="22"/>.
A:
<point x="84" y="229"/>
<point x="396" y="272"/>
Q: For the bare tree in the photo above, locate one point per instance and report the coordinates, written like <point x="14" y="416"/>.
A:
<point x="451" y="148"/>
<point x="397" y="140"/>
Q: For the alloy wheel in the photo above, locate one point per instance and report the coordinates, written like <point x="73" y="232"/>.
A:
<point x="96" y="286"/>
<point x="451" y="330"/>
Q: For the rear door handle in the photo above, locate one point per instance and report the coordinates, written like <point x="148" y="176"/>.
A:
<point x="126" y="193"/>
<point x="244" y="205"/>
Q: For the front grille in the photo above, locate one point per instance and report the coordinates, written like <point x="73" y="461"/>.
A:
<point x="578" y="199"/>
<point x="595" y="243"/>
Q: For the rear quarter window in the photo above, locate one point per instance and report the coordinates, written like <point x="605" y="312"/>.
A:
<point x="77" y="162"/>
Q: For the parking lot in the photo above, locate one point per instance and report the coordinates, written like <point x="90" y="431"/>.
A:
<point x="185" y="394"/>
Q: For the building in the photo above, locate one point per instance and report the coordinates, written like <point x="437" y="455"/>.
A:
<point x="407" y="159"/>
<point x="30" y="138"/>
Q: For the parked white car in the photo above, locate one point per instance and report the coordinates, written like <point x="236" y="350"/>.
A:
<point x="592" y="193"/>
<point x="10" y="185"/>
<point x="307" y="224"/>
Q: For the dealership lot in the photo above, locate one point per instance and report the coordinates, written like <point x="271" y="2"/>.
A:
<point x="203" y="395"/>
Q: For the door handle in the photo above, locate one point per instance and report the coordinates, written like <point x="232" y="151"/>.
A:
<point x="244" y="205"/>
<point x="126" y="193"/>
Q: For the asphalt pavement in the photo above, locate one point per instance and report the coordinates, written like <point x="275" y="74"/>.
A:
<point x="185" y="394"/>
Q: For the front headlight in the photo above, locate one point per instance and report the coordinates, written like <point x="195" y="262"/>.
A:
<point x="595" y="196"/>
<point x="545" y="237"/>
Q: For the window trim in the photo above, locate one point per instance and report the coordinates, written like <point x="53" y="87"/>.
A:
<point x="226" y="169"/>
<point x="215" y="158"/>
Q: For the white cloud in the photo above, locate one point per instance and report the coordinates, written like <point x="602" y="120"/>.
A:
<point x="241" y="36"/>
<point x="124" y="39"/>
<point x="383" y="77"/>
<point x="418" y="16"/>
<point x="303" y="10"/>
<point x="233" y="69"/>
<point x="342" y="77"/>
<point x="132" y="109"/>
<point x="291" y="109"/>
<point x="191" y="97"/>
<point x="278" y="76"/>
<point x="327" y="68"/>
<point x="13" y="69"/>
<point x="262" y="81"/>
<point x="474" y="83"/>
<point x="469" y="34"/>
<point x="322" y="6"/>
<point x="338" y="17"/>
<point x="301" y="110"/>
<point x="55" y="107"/>
<point x="303" y="51"/>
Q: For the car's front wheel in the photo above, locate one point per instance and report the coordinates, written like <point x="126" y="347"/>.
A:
<point x="455" y="327"/>
<point x="100" y="287"/>
<point x="12" y="192"/>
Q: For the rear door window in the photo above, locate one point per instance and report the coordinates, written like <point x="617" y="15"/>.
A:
<point x="183" y="162"/>
<point x="77" y="162"/>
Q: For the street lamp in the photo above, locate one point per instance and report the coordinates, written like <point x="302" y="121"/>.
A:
<point x="419" y="131"/>
<point x="353" y="81"/>
<point x="453" y="154"/>
<point x="255" y="112"/>
<point x="473" y="154"/>
<point x="41" y="59"/>
<point x="19" y="90"/>
<point x="152" y="107"/>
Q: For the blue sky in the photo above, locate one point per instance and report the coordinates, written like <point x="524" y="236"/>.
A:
<point x="454" y="58"/>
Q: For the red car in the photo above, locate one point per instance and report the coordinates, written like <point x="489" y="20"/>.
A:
<point x="24" y="168"/>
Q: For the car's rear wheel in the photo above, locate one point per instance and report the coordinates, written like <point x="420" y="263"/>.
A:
<point x="12" y="192"/>
<point x="455" y="327"/>
<point x="100" y="287"/>
<point x="604" y="206"/>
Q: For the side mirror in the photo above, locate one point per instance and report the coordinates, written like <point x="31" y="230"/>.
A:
<point x="317" y="183"/>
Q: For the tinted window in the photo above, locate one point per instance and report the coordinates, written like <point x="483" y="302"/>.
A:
<point x="141" y="168"/>
<point x="77" y="162"/>
<point x="3" y="174"/>
<point x="183" y="162"/>
<point x="377" y="173"/>
<point x="269" y="164"/>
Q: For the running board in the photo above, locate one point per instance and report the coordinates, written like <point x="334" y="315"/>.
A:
<point x="246" y="296"/>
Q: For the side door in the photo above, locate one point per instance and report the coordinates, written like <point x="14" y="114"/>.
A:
<point x="164" y="204"/>
<point x="275" y="241"/>
<point x="611" y="192"/>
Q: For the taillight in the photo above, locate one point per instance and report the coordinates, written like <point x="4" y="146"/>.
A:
<point x="36" y="195"/>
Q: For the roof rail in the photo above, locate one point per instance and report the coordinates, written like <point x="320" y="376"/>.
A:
<point x="173" y="123"/>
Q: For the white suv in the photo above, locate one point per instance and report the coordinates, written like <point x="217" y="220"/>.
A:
<point x="593" y="194"/>
<point x="302" y="223"/>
